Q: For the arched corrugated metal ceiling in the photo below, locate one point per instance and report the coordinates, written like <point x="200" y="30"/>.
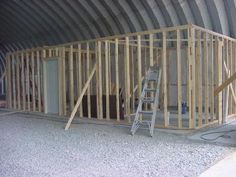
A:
<point x="30" y="23"/>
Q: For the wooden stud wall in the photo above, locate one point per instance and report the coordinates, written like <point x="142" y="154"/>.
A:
<point x="121" y="63"/>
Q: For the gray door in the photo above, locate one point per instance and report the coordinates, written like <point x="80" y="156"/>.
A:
<point x="51" y="97"/>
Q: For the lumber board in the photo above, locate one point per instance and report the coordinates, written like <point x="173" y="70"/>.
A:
<point x="179" y="79"/>
<point x="199" y="77"/>
<point x="117" y="79"/>
<point x="23" y="81"/>
<point x="64" y="82"/>
<point x="28" y="81"/>
<point x="39" y="81"/>
<point x="80" y="98"/>
<point x="71" y="78"/>
<point x="14" y="80"/>
<point x="88" y="71"/>
<point x="9" y="81"/>
<point x="127" y="73"/>
<point x="18" y="81"/>
<point x="80" y="76"/>
<point x="164" y="68"/>
<point x="211" y="89"/>
<point x="139" y="66"/>
<point x="60" y="81"/>
<point x="206" y="76"/>
<point x="33" y="80"/>
<point x="107" y="83"/>
<point x="221" y="86"/>
<point x="100" y="89"/>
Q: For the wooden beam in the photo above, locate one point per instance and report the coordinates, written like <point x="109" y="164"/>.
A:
<point x="71" y="77"/>
<point x="219" y="81"/>
<point x="14" y="80"/>
<point x="23" y="80"/>
<point x="107" y="80"/>
<point x="60" y="81"/>
<point x="33" y="81"/>
<point x="132" y="64"/>
<point x="117" y="79"/>
<point x="179" y="79"/>
<point x="223" y="85"/>
<point x="9" y="81"/>
<point x="164" y="68"/>
<point x="39" y="81"/>
<point x="80" y="98"/>
<point x="199" y="77"/>
<point x="88" y="71"/>
<point x="231" y="71"/>
<point x="234" y="70"/>
<point x="191" y="77"/>
<point x="100" y="81"/>
<point x="80" y="77"/>
<point x="127" y="73"/>
<point x="212" y="78"/>
<point x="206" y="76"/>
<point x="139" y="66"/>
<point x="226" y="104"/>
<point x="27" y="81"/>
<point x="18" y="81"/>
<point x="64" y="81"/>
<point x="151" y="49"/>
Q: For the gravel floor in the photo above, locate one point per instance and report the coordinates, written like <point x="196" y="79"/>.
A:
<point x="41" y="148"/>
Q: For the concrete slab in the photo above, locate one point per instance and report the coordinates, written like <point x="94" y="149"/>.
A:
<point x="225" y="135"/>
<point x="225" y="167"/>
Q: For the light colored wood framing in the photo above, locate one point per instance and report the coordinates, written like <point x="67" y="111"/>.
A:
<point x="117" y="79"/>
<point x="107" y="80"/>
<point x="9" y="81"/>
<point x="199" y="77"/>
<point x="211" y="57"/>
<point x="23" y="81"/>
<point x="39" y="82"/>
<point x="99" y="85"/>
<point x="64" y="81"/>
<point x="137" y="50"/>
<point x="80" y="77"/>
<point x="60" y="81"/>
<point x="88" y="71"/>
<point x="14" y="80"/>
<point x="33" y="80"/>
<point x="18" y="81"/>
<point x="127" y="78"/>
<point x="206" y="76"/>
<point x="71" y="78"/>
<point x="219" y="81"/>
<point x="139" y="66"/>
<point x="80" y="98"/>
<point x="164" y="80"/>
<point x="179" y="79"/>
<point x="28" y="81"/>
<point x="191" y="77"/>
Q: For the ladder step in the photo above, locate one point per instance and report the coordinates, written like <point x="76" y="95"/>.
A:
<point x="145" y="112"/>
<point x="152" y="79"/>
<point x="150" y="90"/>
<point x="148" y="100"/>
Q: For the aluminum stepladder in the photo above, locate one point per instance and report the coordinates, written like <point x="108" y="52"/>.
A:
<point x="149" y="95"/>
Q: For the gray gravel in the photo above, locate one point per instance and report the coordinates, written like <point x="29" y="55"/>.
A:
<point x="41" y="148"/>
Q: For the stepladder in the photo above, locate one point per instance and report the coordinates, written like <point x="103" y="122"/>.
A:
<point x="148" y="102"/>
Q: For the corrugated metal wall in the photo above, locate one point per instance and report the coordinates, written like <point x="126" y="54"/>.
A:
<point x="31" y="23"/>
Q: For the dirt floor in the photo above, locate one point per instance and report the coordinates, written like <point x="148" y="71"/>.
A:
<point x="33" y="146"/>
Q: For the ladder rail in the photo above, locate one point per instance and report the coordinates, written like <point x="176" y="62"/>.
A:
<point x="156" y="103"/>
<point x="153" y="74"/>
